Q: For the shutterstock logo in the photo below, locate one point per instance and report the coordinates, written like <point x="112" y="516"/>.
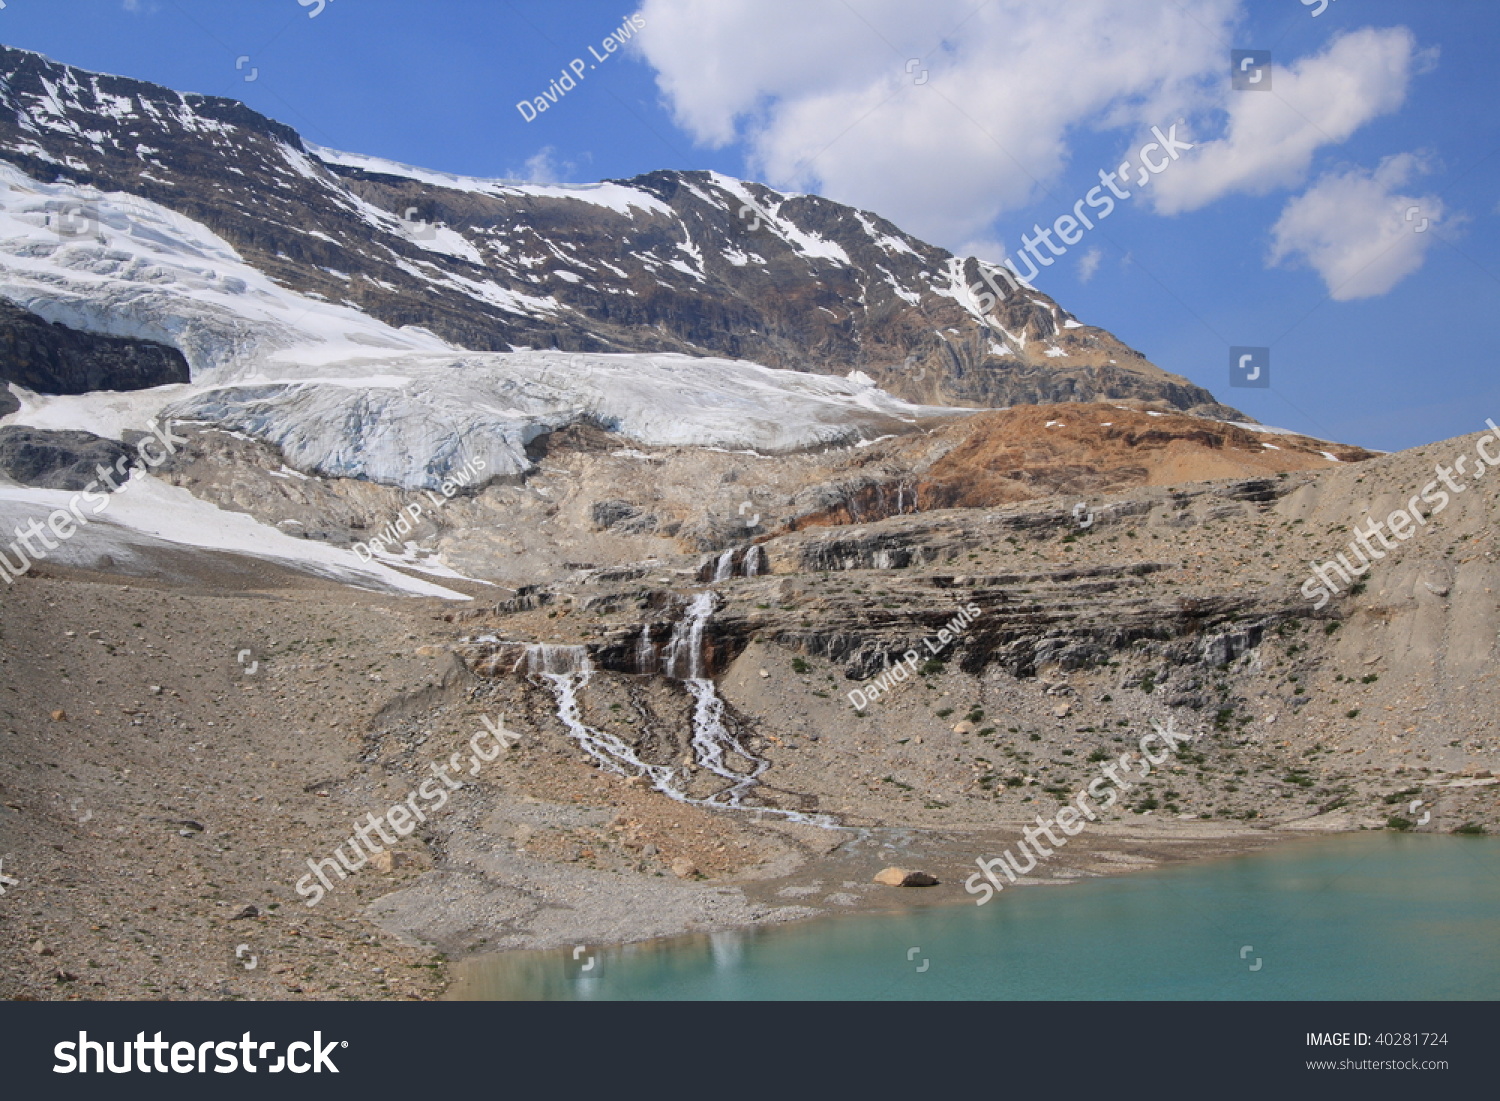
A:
<point x="229" y="1056"/>
<point x="1250" y="70"/>
<point x="1250" y="367"/>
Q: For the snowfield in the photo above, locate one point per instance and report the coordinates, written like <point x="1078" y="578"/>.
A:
<point x="148" y="513"/>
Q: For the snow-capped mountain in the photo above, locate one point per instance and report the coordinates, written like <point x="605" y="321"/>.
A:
<point x="687" y="262"/>
<point x="345" y="395"/>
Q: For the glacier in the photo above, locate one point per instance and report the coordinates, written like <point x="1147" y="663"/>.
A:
<point x="342" y="394"/>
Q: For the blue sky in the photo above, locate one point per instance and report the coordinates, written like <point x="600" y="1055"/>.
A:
<point x="1377" y="336"/>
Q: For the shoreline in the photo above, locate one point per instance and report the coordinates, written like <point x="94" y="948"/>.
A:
<point x="824" y="887"/>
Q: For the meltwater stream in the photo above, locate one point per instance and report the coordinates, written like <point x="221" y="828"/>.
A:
<point x="567" y="669"/>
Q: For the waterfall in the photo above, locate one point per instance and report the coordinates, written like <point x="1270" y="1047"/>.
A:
<point x="566" y="671"/>
<point x="711" y="738"/>
<point x="684" y="654"/>
<point x="543" y="658"/>
<point x="645" y="652"/>
<point x="725" y="569"/>
<point x="747" y="561"/>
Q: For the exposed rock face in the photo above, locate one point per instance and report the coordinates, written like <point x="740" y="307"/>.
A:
<point x="595" y="515"/>
<point x="690" y="262"/>
<point x="1019" y="454"/>
<point x="58" y="460"/>
<point x="1057" y="617"/>
<point x="51" y="358"/>
<point x="623" y="517"/>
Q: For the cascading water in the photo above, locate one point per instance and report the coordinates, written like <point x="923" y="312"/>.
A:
<point x="645" y="652"/>
<point x="566" y="670"/>
<point x="546" y="659"/>
<point x="725" y="568"/>
<point x="748" y="561"/>
<point x="712" y="740"/>
<point x="684" y="654"/>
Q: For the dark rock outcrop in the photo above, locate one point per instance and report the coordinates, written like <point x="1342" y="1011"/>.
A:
<point x="58" y="460"/>
<point x="51" y="358"/>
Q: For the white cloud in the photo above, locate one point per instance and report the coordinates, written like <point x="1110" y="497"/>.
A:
<point x="1272" y="136"/>
<point x="542" y="167"/>
<point x="1356" y="231"/>
<point x="820" y="94"/>
<point x="1089" y="264"/>
<point x="983" y="248"/>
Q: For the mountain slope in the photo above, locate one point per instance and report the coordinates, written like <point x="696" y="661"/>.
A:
<point x="689" y="262"/>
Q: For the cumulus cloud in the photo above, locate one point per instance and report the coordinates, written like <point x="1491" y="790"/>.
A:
<point x="1357" y="231"/>
<point x="825" y="97"/>
<point x="1271" y="137"/>
<point x="821" y="95"/>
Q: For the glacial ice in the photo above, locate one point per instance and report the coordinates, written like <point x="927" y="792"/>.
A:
<point x="345" y="395"/>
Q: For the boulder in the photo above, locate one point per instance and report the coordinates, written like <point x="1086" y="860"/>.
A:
<point x="901" y="877"/>
<point x="684" y="869"/>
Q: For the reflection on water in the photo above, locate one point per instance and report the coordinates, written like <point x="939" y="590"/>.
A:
<point x="1369" y="916"/>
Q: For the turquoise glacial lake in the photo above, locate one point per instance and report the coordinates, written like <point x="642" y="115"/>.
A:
<point x="1367" y="916"/>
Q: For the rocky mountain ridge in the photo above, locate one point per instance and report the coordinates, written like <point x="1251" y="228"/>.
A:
<point x="689" y="262"/>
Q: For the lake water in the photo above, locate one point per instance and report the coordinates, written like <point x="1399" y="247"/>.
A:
<point x="1370" y="916"/>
